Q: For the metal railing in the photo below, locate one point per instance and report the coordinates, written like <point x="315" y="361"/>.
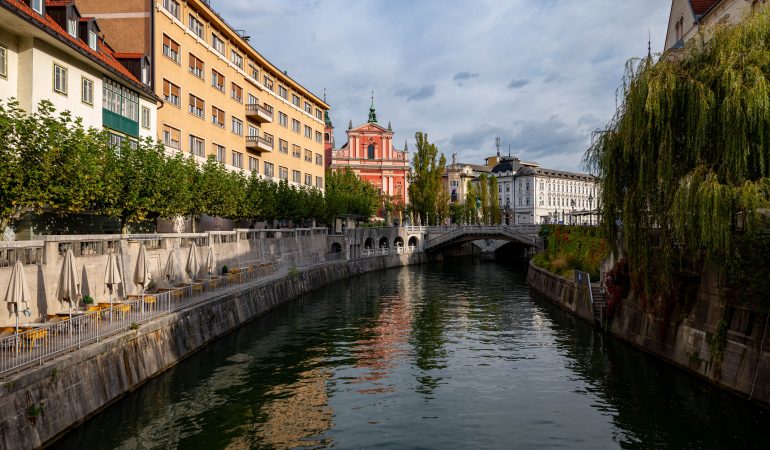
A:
<point x="41" y="341"/>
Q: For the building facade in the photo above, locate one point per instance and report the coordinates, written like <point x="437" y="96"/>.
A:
<point x="370" y="154"/>
<point x="222" y="97"/>
<point x="50" y="51"/>
<point x="689" y="17"/>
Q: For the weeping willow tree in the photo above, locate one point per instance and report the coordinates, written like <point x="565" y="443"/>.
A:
<point x="688" y="151"/>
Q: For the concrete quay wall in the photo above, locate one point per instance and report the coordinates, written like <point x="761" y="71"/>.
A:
<point x="742" y="366"/>
<point x="43" y="402"/>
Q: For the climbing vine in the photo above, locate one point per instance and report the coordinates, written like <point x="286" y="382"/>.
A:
<point x="688" y="154"/>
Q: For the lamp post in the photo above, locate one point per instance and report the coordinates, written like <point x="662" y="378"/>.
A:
<point x="590" y="209"/>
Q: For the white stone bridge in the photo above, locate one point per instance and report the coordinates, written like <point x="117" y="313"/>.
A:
<point x="442" y="237"/>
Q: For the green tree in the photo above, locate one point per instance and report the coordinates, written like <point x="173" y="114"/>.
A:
<point x="471" y="211"/>
<point x="442" y="206"/>
<point x="484" y="196"/>
<point x="687" y="150"/>
<point x="425" y="179"/>
<point x="494" y="203"/>
<point x="346" y="193"/>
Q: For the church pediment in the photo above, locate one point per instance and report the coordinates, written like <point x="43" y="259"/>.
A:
<point x="370" y="128"/>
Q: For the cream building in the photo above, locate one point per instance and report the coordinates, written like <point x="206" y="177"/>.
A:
<point x="222" y="97"/>
<point x="49" y="51"/>
<point x="689" y="17"/>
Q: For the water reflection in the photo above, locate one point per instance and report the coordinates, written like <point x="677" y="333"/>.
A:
<point x="430" y="357"/>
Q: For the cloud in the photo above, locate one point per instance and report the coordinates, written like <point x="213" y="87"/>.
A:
<point x="515" y="84"/>
<point x="416" y="94"/>
<point x="460" y="77"/>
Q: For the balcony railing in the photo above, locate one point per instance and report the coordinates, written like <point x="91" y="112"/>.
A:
<point x="258" y="113"/>
<point x="259" y="143"/>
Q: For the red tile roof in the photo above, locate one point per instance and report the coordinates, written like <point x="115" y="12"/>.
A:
<point x="105" y="55"/>
<point x="128" y="55"/>
<point x="59" y="2"/>
<point x="700" y="7"/>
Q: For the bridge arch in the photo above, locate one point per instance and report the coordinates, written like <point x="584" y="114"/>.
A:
<point x="384" y="242"/>
<point x="369" y="244"/>
<point x="413" y="241"/>
<point x="526" y="235"/>
<point x="336" y="247"/>
<point x="398" y="242"/>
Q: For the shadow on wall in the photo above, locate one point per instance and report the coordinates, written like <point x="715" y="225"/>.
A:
<point x="42" y="302"/>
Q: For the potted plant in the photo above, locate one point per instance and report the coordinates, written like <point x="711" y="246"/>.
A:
<point x="88" y="300"/>
<point x="224" y="270"/>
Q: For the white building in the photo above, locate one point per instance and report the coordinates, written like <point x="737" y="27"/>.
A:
<point x="529" y="194"/>
<point x="49" y="52"/>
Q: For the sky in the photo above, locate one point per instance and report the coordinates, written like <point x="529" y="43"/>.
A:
<point x="540" y="74"/>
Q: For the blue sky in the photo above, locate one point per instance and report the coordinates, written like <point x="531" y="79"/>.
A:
<point x="541" y="74"/>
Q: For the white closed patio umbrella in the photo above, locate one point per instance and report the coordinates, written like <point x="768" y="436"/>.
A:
<point x="17" y="293"/>
<point x="69" y="289"/>
<point x="112" y="276"/>
<point x="193" y="265"/>
<point x="210" y="262"/>
<point x="142" y="275"/>
<point x="170" y="272"/>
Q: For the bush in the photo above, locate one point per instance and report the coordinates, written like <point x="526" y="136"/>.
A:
<point x="225" y="270"/>
<point x="571" y="248"/>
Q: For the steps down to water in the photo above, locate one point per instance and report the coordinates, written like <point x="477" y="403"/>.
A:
<point x="599" y="304"/>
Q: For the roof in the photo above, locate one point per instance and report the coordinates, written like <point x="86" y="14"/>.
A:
<point x="524" y="171"/>
<point x="128" y="55"/>
<point x="59" y="2"/>
<point x="103" y="55"/>
<point x="701" y="7"/>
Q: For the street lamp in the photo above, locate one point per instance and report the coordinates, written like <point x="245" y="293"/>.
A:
<point x="572" y="214"/>
<point x="590" y="209"/>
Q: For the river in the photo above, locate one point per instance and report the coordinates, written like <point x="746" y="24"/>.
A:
<point x="434" y="356"/>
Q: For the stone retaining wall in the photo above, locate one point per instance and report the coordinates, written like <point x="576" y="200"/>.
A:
<point x="43" y="402"/>
<point x="744" y="364"/>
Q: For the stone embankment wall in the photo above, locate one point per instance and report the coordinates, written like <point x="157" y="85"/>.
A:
<point x="43" y="402"/>
<point x="719" y="341"/>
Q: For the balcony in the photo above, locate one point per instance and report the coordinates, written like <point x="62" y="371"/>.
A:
<point x="258" y="113"/>
<point x="259" y="144"/>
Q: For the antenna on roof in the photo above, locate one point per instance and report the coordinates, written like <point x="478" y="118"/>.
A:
<point x="497" y="144"/>
<point x="509" y="150"/>
<point x="649" y="43"/>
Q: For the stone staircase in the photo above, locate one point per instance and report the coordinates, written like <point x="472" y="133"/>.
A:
<point x="599" y="304"/>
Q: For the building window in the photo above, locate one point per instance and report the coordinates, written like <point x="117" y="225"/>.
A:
<point x="171" y="6"/>
<point x="72" y="27"/>
<point x="236" y="59"/>
<point x="296" y="151"/>
<point x="196" y="26"/>
<point x="119" y="100"/>
<point x="171" y="49"/>
<point x="283" y="119"/>
<point x="236" y="92"/>
<point x="254" y="72"/>
<point x="296" y="176"/>
<point x="37" y="5"/>
<point x="318" y="114"/>
<point x="252" y="100"/>
<point x="283" y="146"/>
<point x="220" y="151"/>
<point x="318" y="137"/>
<point x="283" y="92"/>
<point x="269" y="170"/>
<point x="308" y="179"/>
<point x="252" y="131"/>
<point x="60" y="79"/>
<point x="370" y="151"/>
<point x="319" y="159"/>
<point x="92" y="39"/>
<point x="171" y="137"/>
<point x="308" y="108"/>
<point x="308" y="155"/>
<point x="87" y="91"/>
<point x="237" y="159"/>
<point x="295" y="100"/>
<point x="217" y="80"/>
<point x="253" y="164"/>
<point x="3" y="61"/>
<point x="268" y="83"/>
<point x="197" y="146"/>
<point x="197" y="106"/>
<point x="319" y="182"/>
<point x="217" y="117"/>
<point x="237" y="126"/>
<point x="308" y="132"/>
<point x="283" y="173"/>
<point x="145" y="117"/>
<point x="196" y="66"/>
<point x="295" y="125"/>
<point x="217" y="43"/>
<point x="171" y="93"/>
<point x="269" y="138"/>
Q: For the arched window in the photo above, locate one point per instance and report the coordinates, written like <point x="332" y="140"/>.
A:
<point x="370" y="151"/>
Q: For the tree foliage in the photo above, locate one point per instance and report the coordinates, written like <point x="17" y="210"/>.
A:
<point x="50" y="161"/>
<point x="494" y="202"/>
<point x="425" y="179"/>
<point x="688" y="150"/>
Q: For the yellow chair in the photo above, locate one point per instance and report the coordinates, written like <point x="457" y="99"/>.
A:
<point x="31" y="337"/>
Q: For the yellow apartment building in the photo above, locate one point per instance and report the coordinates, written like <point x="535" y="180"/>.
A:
<point x="221" y="97"/>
